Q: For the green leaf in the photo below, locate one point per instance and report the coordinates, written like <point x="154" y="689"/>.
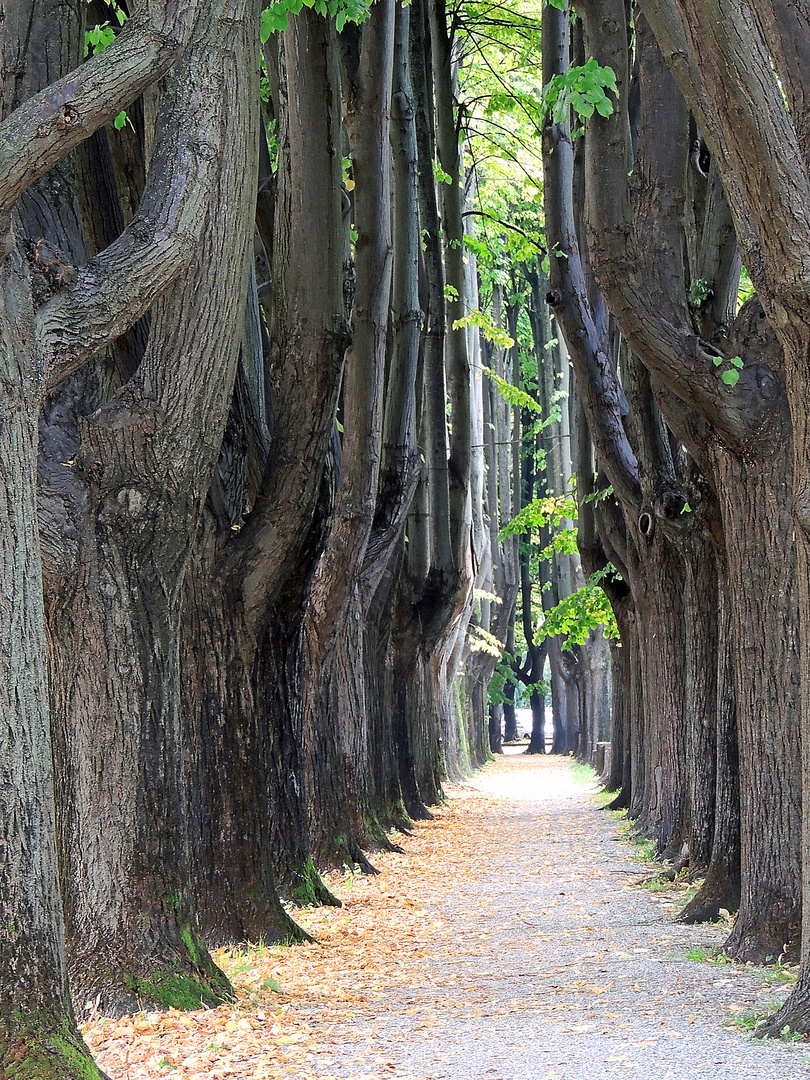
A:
<point x="736" y="361"/>
<point x="513" y="394"/>
<point x="120" y="120"/>
<point x="487" y="327"/>
<point x="730" y="378"/>
<point x="439" y="175"/>
<point x="582" y="611"/>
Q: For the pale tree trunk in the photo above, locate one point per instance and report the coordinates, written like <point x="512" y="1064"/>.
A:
<point x="38" y="1035"/>
<point x="400" y="468"/>
<point x="436" y="578"/>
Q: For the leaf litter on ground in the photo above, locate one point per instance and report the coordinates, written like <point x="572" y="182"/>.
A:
<point x="423" y="949"/>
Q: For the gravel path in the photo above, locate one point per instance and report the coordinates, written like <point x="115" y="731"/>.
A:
<point x="545" y="961"/>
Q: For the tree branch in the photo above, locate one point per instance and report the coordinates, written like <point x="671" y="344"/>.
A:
<point x="761" y="145"/>
<point x="639" y="290"/>
<point x="52" y="123"/>
<point x="601" y="395"/>
<point x="785" y="27"/>
<point x="121" y="283"/>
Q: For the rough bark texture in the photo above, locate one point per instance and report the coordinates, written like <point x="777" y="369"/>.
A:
<point x="251" y="580"/>
<point x="630" y="263"/>
<point x="38" y="1035"/>
<point x="333" y="706"/>
<point x="142" y="466"/>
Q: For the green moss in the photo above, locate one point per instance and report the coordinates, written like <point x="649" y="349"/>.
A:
<point x="191" y="945"/>
<point x="77" y="1059"/>
<point x="37" y="1053"/>
<point x="174" y="990"/>
<point x="310" y="890"/>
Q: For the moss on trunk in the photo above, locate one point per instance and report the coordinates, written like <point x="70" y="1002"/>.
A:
<point x="36" y="1052"/>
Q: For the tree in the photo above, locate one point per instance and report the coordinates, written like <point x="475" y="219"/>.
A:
<point x="751" y="109"/>
<point x="688" y="354"/>
<point x="68" y="314"/>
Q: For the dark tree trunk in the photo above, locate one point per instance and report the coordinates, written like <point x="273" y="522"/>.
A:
<point x="620" y="704"/>
<point x="762" y="576"/>
<point x="255" y="576"/>
<point x="495" y="728"/>
<point x="509" y="718"/>
<point x="721" y="885"/>
<point x="237" y="763"/>
<point x="701" y="601"/>
<point x="142" y="467"/>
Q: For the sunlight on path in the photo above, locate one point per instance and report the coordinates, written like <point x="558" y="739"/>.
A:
<point x="510" y="942"/>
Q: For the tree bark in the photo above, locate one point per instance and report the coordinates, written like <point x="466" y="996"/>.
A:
<point x="145" y="460"/>
<point x="38" y="1034"/>
<point x="333" y="712"/>
<point x="256" y="577"/>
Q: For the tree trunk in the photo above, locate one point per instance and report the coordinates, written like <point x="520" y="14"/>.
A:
<point x="145" y="461"/>
<point x="662" y="640"/>
<point x="38" y="1035"/>
<point x="333" y="712"/>
<point x="762" y="574"/>
<point x="701" y="603"/>
<point x="721" y="885"/>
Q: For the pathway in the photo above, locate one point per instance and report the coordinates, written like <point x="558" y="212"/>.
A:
<point x="511" y="942"/>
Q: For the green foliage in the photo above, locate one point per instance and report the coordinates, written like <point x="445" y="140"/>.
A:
<point x="707" y="956"/>
<point x="539" y="513"/>
<point x="699" y="292"/>
<point x="513" y="394"/>
<point x="276" y="15"/>
<point x="576" y="615"/>
<point x="480" y="640"/>
<point x="583" y="88"/>
<point x="746" y="290"/>
<point x="440" y="176"/>
<point x="730" y="375"/>
<point x="488" y="328"/>
<point x="599" y="496"/>
<point x="98" y="37"/>
<point x="502" y="676"/>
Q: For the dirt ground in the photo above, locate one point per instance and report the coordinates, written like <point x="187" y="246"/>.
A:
<point x="510" y="942"/>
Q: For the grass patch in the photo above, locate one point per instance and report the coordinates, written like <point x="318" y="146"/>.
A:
<point x="750" y="1022"/>
<point x="659" y="885"/>
<point x="707" y="956"/>
<point x="644" y="845"/>
<point x="780" y="974"/>
<point x="586" y="774"/>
